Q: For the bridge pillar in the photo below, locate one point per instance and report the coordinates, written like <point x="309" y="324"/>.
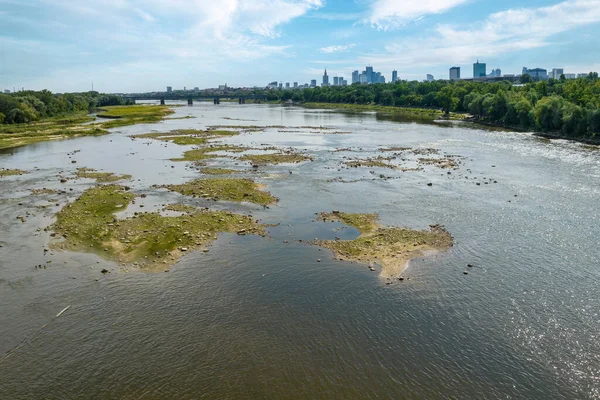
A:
<point x="190" y="102"/>
<point x="162" y="101"/>
<point x="217" y="100"/>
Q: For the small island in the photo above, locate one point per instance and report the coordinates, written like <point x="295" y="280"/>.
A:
<point x="391" y="247"/>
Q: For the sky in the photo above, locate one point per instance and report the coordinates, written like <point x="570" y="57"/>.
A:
<point x="145" y="45"/>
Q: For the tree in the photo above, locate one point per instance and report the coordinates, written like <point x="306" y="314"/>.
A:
<point x="526" y="78"/>
<point x="446" y="99"/>
<point x="563" y="77"/>
<point x="2" y="116"/>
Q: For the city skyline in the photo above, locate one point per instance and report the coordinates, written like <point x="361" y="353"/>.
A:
<point x="64" y="46"/>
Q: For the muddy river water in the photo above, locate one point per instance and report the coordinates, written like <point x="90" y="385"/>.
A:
<point x="257" y="317"/>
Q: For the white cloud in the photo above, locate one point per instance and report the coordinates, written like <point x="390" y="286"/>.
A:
<point x="336" y="49"/>
<point x="500" y="33"/>
<point x="391" y="14"/>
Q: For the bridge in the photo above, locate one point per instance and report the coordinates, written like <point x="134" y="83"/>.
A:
<point x="216" y="99"/>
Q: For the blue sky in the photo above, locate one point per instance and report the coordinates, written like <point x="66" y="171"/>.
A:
<point x="145" y="45"/>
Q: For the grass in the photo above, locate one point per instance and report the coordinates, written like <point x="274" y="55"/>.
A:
<point x="420" y="112"/>
<point x="148" y="239"/>
<point x="38" y="192"/>
<point x="370" y="162"/>
<point x="392" y="247"/>
<point x="90" y="173"/>
<point x="365" y="223"/>
<point x="228" y="189"/>
<point x="206" y="153"/>
<point x="77" y="125"/>
<point x="187" y="137"/>
<point x="275" y="158"/>
<point x="11" y="172"/>
<point x="218" y="171"/>
<point x="183" y="208"/>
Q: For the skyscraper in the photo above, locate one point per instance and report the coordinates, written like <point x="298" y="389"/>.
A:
<point x="295" y="85"/>
<point x="369" y="72"/>
<point x="394" y="76"/>
<point x="169" y="89"/>
<point x="355" y="77"/>
<point x="479" y="70"/>
<point x="336" y="81"/>
<point x="325" y="79"/>
<point x="313" y="83"/>
<point x="287" y="85"/>
<point x="429" y="78"/>
<point x="454" y="73"/>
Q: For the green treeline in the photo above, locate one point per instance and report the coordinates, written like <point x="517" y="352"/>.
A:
<point x="569" y="108"/>
<point x="28" y="106"/>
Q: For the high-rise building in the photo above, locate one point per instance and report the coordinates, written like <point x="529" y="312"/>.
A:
<point x="287" y="85"/>
<point x="479" y="70"/>
<point x="556" y="73"/>
<point x="325" y="79"/>
<point x="394" y="76"/>
<point x="369" y="72"/>
<point x="295" y="85"/>
<point x="536" y="73"/>
<point x="280" y="85"/>
<point x="454" y="73"/>
<point x="313" y="83"/>
<point x="429" y="78"/>
<point x="169" y="89"/>
<point x="355" y="77"/>
<point x="363" y="78"/>
<point x="336" y="81"/>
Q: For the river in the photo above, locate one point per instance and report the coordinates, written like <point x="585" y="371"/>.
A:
<point x="261" y="318"/>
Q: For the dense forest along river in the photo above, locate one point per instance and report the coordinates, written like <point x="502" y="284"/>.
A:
<point x="257" y="317"/>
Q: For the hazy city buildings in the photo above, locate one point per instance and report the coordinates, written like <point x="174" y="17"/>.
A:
<point x="479" y="70"/>
<point x="313" y="83"/>
<point x="556" y="73"/>
<point x="429" y="78"/>
<point x="169" y="89"/>
<point x="536" y="73"/>
<point x="295" y="85"/>
<point x="454" y="73"/>
<point x="355" y="77"/>
<point x="325" y="79"/>
<point x="394" y="76"/>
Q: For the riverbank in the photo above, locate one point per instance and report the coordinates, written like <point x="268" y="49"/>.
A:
<point x="79" y="124"/>
<point x="430" y="113"/>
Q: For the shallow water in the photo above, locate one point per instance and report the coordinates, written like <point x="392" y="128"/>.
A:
<point x="258" y="318"/>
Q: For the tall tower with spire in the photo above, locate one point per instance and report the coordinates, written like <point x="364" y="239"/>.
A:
<point x="325" y="78"/>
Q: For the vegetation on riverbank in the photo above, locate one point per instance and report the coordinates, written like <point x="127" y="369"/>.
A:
<point x="146" y="239"/>
<point x="218" y="171"/>
<point x="228" y="189"/>
<point x="391" y="247"/>
<point x="11" y="172"/>
<point x="91" y="173"/>
<point x="57" y="118"/>
<point x="187" y="136"/>
<point x="275" y="158"/>
<point x="429" y="113"/>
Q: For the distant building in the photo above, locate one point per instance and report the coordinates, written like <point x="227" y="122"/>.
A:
<point x="169" y="89"/>
<point x="355" y="77"/>
<point x="369" y="72"/>
<point x="313" y="83"/>
<point x="363" y="78"/>
<point x="336" y="81"/>
<point x="280" y="85"/>
<point x="556" y="73"/>
<point x="582" y="75"/>
<point x="287" y="85"/>
<point x="570" y="76"/>
<point x="325" y="79"/>
<point x="496" y="73"/>
<point x="536" y="73"/>
<point x="429" y="78"/>
<point x="454" y="73"/>
<point x="6" y="91"/>
<point x="196" y="89"/>
<point x="295" y="85"/>
<point x="479" y="70"/>
<point x="394" y="76"/>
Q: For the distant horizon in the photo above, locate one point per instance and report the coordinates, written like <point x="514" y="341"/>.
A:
<point x="63" y="46"/>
